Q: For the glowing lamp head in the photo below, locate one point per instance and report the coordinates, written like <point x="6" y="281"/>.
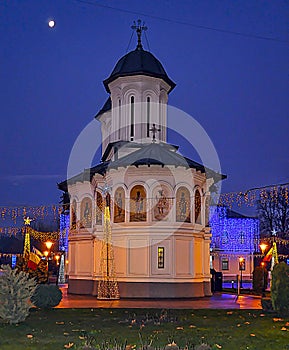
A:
<point x="48" y="244"/>
<point x="262" y="264"/>
<point x="46" y="253"/>
<point x="241" y="259"/>
<point x="263" y="247"/>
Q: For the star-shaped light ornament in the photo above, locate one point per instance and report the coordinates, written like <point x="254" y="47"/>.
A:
<point x="274" y="232"/>
<point x="105" y="189"/>
<point x="27" y="220"/>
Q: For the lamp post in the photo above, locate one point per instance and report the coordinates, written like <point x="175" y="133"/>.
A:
<point x="263" y="247"/>
<point x="241" y="268"/>
<point x="48" y="245"/>
<point x="263" y="282"/>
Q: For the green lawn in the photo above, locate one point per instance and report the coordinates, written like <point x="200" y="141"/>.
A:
<point x="235" y="329"/>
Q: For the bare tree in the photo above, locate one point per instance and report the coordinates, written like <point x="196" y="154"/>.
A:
<point x="273" y="212"/>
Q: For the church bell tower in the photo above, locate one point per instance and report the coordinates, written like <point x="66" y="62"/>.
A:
<point x="138" y="87"/>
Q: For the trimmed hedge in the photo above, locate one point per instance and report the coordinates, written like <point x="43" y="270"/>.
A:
<point x="280" y="288"/>
<point x="46" y="296"/>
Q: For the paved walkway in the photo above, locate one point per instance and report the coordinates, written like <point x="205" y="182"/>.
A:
<point x="217" y="301"/>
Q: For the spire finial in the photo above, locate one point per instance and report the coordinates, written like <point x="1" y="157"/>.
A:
<point x="139" y="28"/>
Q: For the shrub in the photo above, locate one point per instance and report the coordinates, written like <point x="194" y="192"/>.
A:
<point x="260" y="279"/>
<point x="16" y="288"/>
<point x="267" y="304"/>
<point x="46" y="296"/>
<point x="280" y="288"/>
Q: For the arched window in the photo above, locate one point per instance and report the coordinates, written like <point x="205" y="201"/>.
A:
<point x="132" y="118"/>
<point x="148" y="115"/>
<point x="119" y="205"/>
<point x="138" y="204"/>
<point x="86" y="212"/>
<point x="183" y="205"/>
<point x="98" y="208"/>
<point x="73" y="214"/>
<point x="198" y="207"/>
<point x="119" y="118"/>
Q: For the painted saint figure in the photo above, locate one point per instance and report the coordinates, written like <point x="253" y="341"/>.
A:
<point x="119" y="203"/>
<point x="138" y="204"/>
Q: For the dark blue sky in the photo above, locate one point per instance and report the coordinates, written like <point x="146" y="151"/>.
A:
<point x="51" y="82"/>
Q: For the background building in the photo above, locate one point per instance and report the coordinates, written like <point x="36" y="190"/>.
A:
<point x="234" y="236"/>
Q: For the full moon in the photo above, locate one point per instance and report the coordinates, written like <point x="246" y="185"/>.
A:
<point x="51" y="23"/>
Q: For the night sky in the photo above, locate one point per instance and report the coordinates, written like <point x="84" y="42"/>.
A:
<point x="235" y="85"/>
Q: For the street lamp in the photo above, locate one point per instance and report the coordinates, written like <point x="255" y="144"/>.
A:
<point x="263" y="247"/>
<point x="263" y="283"/>
<point x="48" y="244"/>
<point x="241" y="268"/>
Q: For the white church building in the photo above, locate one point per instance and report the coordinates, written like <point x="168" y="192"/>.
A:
<point x="159" y="200"/>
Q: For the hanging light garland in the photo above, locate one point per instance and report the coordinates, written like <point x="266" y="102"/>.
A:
<point x="38" y="235"/>
<point x="250" y="196"/>
<point x="37" y="212"/>
<point x="240" y="198"/>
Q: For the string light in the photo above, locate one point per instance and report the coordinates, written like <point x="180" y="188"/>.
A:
<point x="247" y="197"/>
<point x="233" y="234"/>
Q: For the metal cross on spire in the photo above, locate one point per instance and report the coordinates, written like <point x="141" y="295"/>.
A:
<point x="139" y="27"/>
<point x="154" y="130"/>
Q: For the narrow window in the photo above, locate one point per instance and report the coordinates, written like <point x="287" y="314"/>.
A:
<point x="161" y="257"/>
<point x="131" y="118"/>
<point x="119" y="118"/>
<point x="148" y="116"/>
<point x="198" y="207"/>
<point x="225" y="264"/>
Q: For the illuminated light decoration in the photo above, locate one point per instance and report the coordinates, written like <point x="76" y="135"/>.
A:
<point x="61" y="273"/>
<point x="272" y="255"/>
<point x="107" y="284"/>
<point x="13" y="260"/>
<point x="64" y="232"/>
<point x="232" y="234"/>
<point x="26" y="249"/>
<point x="40" y="236"/>
<point x="247" y="198"/>
<point x="27" y="220"/>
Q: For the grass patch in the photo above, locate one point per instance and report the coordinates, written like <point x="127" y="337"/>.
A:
<point x="231" y="329"/>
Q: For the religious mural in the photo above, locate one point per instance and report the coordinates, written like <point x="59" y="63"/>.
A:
<point x="138" y="204"/>
<point x="119" y="205"/>
<point x="86" y="213"/>
<point x="161" y="206"/>
<point x="198" y="207"/>
<point x="183" y="205"/>
<point x="98" y="209"/>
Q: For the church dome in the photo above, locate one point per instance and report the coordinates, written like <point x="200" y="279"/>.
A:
<point x="139" y="62"/>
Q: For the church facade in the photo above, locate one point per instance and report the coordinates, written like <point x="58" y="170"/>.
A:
<point x="158" y="199"/>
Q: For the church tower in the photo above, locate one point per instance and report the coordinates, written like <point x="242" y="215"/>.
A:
<point x="138" y="87"/>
